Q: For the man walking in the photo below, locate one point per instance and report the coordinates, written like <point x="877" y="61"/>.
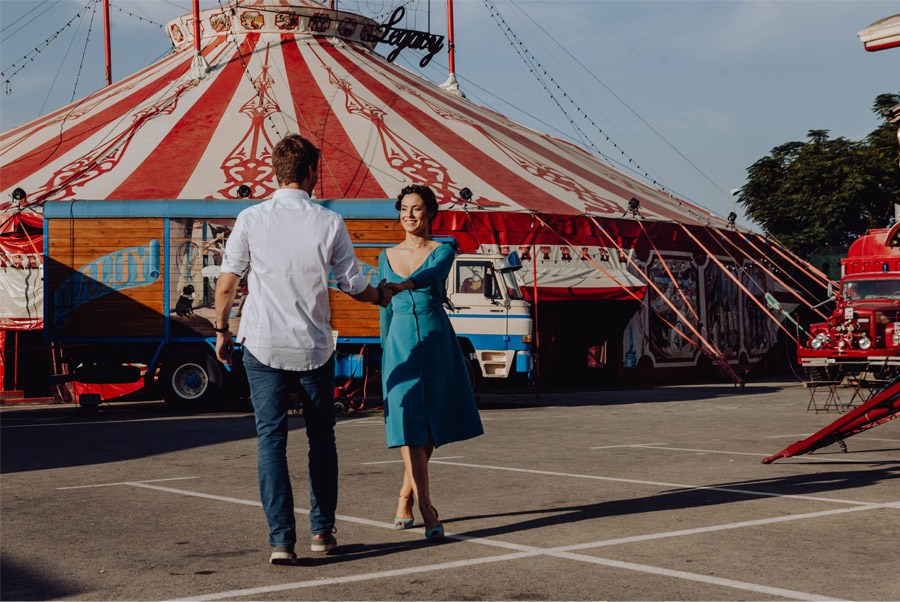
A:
<point x="288" y="245"/>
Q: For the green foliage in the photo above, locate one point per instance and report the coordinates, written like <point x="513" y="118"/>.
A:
<point x="826" y="192"/>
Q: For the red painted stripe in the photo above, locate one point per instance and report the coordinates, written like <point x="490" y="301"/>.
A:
<point x="343" y="173"/>
<point x="165" y="171"/>
<point x="503" y="179"/>
<point x="877" y="47"/>
<point x="41" y="122"/>
<point x="26" y="165"/>
<point x="510" y="130"/>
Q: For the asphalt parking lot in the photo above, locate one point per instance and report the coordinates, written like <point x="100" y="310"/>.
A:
<point x="640" y="494"/>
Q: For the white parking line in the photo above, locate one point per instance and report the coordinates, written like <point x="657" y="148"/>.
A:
<point x="629" y="445"/>
<point x="401" y="461"/>
<point x="712" y="451"/>
<point x="523" y="551"/>
<point x="135" y="483"/>
<point x="413" y="570"/>
<point x="655" y="483"/>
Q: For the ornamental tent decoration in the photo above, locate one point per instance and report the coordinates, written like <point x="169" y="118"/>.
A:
<point x="280" y="66"/>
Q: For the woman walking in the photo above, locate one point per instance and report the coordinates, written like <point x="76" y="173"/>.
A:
<point x="428" y="396"/>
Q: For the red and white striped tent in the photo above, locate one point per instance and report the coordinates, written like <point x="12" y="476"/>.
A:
<point x="192" y="128"/>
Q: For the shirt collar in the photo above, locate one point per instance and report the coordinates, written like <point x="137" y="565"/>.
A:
<point x="291" y="195"/>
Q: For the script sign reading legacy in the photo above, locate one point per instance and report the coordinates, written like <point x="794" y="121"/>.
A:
<point x="406" y="38"/>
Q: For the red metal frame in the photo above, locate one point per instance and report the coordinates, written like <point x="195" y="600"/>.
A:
<point x="883" y="406"/>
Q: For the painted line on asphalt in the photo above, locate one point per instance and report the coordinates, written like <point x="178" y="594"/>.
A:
<point x="414" y="570"/>
<point x="707" y="579"/>
<point x="717" y="451"/>
<point x="523" y="551"/>
<point x="680" y="486"/>
<point x="717" y="528"/>
<point x="628" y="445"/>
<point x="135" y="483"/>
<point x="401" y="461"/>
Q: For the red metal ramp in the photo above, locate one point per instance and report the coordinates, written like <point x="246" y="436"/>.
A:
<point x="883" y="406"/>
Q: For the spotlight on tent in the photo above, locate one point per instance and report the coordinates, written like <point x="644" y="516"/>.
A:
<point x="466" y="195"/>
<point x="731" y="217"/>
<point x="18" y="195"/>
<point x="634" y="206"/>
<point x="244" y="191"/>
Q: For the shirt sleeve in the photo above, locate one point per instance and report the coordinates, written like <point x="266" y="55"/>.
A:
<point x="236" y="259"/>
<point x="437" y="272"/>
<point x="344" y="265"/>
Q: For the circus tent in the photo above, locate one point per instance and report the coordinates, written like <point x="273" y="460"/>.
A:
<point x="202" y="126"/>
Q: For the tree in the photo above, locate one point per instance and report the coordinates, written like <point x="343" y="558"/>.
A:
<point x="826" y="192"/>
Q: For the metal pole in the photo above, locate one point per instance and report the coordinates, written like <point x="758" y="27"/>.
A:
<point x="106" y="36"/>
<point x="197" y="26"/>
<point x="450" y="46"/>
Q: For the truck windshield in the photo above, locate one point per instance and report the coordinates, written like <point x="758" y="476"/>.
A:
<point x="888" y="288"/>
<point x="512" y="287"/>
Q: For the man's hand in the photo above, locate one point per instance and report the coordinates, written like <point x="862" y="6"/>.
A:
<point x="387" y="293"/>
<point x="224" y="347"/>
<point x="398" y="287"/>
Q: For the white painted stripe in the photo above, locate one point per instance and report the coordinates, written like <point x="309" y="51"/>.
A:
<point x="126" y="483"/>
<point x="524" y="551"/>
<point x="414" y="570"/>
<point x="629" y="445"/>
<point x="730" y="583"/>
<point x="655" y="483"/>
<point x="715" y="528"/>
<point x="805" y="457"/>
<point x="401" y="461"/>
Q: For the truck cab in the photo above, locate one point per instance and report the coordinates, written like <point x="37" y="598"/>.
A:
<point x="864" y="328"/>
<point x="490" y="315"/>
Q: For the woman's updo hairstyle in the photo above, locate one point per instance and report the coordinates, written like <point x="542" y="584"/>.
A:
<point x="427" y="195"/>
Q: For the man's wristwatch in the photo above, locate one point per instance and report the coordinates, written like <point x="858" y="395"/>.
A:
<point x="221" y="330"/>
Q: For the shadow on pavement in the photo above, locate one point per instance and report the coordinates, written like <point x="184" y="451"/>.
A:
<point x="55" y="437"/>
<point x="19" y="582"/>
<point x="678" y="499"/>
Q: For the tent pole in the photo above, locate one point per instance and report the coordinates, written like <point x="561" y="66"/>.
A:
<point x="106" y="40"/>
<point x="451" y="48"/>
<point x="196" y="25"/>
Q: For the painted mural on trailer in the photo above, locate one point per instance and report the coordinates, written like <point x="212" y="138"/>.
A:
<point x="725" y="315"/>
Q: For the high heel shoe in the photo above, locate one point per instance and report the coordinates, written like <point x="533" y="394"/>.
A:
<point x="435" y="533"/>
<point x="400" y="522"/>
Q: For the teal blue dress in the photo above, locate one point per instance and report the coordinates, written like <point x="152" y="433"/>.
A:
<point x="428" y="398"/>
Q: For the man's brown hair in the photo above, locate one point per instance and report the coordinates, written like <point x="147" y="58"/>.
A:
<point x="292" y="157"/>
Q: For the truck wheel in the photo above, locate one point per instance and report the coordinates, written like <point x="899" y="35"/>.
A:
<point x="191" y="381"/>
<point x="474" y="373"/>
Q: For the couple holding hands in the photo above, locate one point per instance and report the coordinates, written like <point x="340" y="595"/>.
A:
<point x="286" y="247"/>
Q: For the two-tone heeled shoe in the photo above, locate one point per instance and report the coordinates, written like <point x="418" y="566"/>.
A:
<point x="401" y="522"/>
<point x="435" y="533"/>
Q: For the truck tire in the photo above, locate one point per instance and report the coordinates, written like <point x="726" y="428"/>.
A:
<point x="474" y="371"/>
<point x="191" y="381"/>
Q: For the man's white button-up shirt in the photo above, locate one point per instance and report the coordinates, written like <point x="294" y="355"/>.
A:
<point x="289" y="244"/>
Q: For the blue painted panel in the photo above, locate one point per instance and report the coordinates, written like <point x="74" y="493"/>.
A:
<point x="78" y="209"/>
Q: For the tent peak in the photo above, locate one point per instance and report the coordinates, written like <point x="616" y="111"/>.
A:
<point x="298" y="17"/>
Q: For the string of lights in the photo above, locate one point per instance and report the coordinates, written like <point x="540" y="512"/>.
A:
<point x="31" y="54"/>
<point x="138" y="17"/>
<point x="534" y="66"/>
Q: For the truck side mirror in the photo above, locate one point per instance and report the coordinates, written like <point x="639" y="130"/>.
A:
<point x="830" y="290"/>
<point x="510" y="263"/>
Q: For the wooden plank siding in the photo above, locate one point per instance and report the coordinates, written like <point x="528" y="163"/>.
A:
<point x="105" y="310"/>
<point x="349" y="317"/>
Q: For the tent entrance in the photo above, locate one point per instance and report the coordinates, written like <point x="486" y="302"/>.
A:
<point x="581" y="342"/>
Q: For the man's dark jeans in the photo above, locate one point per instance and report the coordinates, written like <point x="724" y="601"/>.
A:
<point x="270" y="389"/>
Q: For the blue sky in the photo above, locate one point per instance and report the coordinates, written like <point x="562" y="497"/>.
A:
<point x="722" y="82"/>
